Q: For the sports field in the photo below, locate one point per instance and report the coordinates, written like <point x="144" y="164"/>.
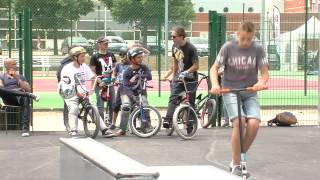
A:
<point x="285" y="89"/>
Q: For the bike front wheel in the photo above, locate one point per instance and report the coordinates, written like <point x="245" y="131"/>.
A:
<point x="145" y="122"/>
<point x="208" y="112"/>
<point x="91" y="121"/>
<point x="185" y="121"/>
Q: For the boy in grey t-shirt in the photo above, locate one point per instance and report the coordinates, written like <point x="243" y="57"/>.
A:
<point x="241" y="60"/>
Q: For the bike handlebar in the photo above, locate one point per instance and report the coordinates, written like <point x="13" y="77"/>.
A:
<point x="228" y="90"/>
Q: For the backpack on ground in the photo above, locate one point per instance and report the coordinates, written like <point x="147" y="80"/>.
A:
<point x="283" y="119"/>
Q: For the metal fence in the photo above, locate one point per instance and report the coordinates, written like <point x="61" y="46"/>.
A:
<point x="293" y="54"/>
<point x="292" y="47"/>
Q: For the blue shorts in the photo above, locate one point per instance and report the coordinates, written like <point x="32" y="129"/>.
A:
<point x="250" y="108"/>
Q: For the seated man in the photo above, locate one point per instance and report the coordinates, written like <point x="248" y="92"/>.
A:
<point x="11" y="80"/>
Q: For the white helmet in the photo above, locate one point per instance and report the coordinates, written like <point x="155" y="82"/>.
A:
<point x="66" y="88"/>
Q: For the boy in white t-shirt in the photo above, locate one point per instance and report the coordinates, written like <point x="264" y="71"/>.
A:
<point x="78" y="73"/>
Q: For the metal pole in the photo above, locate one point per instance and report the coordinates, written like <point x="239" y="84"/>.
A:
<point x="71" y="33"/>
<point x="15" y="31"/>
<point x="95" y="28"/>
<point x="159" y="46"/>
<point x="105" y="21"/>
<point x="76" y="29"/>
<point x="20" y="43"/>
<point x="166" y="33"/>
<point x="289" y="54"/>
<point x="9" y="24"/>
<point x="262" y="19"/>
<point x="134" y="31"/>
<point x="318" y="86"/>
<point x="305" y="50"/>
<point x="99" y="19"/>
<point x="26" y="44"/>
<point x="243" y="6"/>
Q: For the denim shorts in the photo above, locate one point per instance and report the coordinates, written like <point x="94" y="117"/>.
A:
<point x="250" y="108"/>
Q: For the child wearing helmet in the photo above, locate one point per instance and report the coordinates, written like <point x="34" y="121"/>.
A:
<point x="102" y="63"/>
<point x="73" y="75"/>
<point x="129" y="90"/>
<point x="118" y="73"/>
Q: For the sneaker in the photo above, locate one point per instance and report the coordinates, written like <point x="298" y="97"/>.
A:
<point x="148" y="129"/>
<point x="25" y="133"/>
<point x="225" y="123"/>
<point x="189" y="130"/>
<point x="236" y="170"/>
<point x="120" y="132"/>
<point x="166" y="123"/>
<point x="112" y="127"/>
<point x="73" y="133"/>
<point x="106" y="132"/>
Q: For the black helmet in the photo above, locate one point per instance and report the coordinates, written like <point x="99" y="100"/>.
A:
<point x="123" y="51"/>
<point x="133" y="52"/>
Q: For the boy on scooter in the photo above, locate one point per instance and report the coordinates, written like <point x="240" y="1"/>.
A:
<point x="241" y="60"/>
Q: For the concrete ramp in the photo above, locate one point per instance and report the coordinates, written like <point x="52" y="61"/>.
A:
<point x="85" y="158"/>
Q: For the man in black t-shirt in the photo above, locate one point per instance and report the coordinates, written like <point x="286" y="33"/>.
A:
<point x="185" y="64"/>
<point x="103" y="62"/>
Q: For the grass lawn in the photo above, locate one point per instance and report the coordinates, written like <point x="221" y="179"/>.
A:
<point x="52" y="100"/>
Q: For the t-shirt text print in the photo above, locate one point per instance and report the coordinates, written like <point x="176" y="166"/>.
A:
<point x="240" y="64"/>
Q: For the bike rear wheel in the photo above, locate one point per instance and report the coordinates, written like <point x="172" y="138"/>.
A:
<point x="185" y="121"/>
<point x="207" y="113"/>
<point x="145" y="122"/>
<point x="91" y="121"/>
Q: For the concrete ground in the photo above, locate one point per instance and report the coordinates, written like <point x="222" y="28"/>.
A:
<point x="278" y="152"/>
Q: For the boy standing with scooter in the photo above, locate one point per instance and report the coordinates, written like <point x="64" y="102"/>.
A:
<point x="241" y="60"/>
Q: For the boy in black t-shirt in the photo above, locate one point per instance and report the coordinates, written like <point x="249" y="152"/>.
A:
<point x="103" y="62"/>
<point x="185" y="64"/>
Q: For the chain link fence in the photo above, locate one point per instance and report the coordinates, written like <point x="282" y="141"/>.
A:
<point x="293" y="54"/>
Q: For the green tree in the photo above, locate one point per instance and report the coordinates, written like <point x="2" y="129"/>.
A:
<point x="54" y="14"/>
<point x="145" y="13"/>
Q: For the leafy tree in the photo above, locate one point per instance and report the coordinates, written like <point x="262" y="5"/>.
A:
<point x="54" y="14"/>
<point x="145" y="13"/>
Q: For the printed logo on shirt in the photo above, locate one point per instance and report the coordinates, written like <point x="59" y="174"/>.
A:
<point x="122" y="69"/>
<point x="179" y="55"/>
<point x="106" y="64"/>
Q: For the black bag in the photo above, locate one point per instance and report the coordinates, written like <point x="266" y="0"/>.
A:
<point x="283" y="119"/>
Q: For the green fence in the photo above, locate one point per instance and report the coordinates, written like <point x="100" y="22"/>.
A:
<point x="293" y="55"/>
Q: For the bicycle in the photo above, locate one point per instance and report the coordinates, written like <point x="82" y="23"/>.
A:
<point x="144" y="121"/>
<point x="89" y="113"/>
<point x="185" y="118"/>
<point x="107" y="96"/>
<point x="243" y="155"/>
<point x="205" y="106"/>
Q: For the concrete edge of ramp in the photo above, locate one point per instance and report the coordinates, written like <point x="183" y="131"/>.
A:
<point x="193" y="172"/>
<point x="108" y="159"/>
<point x="122" y="167"/>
